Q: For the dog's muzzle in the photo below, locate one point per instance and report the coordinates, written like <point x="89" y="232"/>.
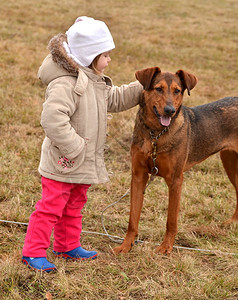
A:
<point x="165" y="120"/>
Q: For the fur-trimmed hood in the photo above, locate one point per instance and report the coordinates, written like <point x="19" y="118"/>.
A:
<point x="57" y="63"/>
<point x="59" y="54"/>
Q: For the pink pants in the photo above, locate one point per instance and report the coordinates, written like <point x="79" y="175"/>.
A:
<point x="60" y="208"/>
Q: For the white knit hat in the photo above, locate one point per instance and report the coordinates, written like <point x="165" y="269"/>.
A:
<point x="88" y="38"/>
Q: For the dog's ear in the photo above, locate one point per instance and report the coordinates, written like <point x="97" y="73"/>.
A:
<point x="146" y="76"/>
<point x="188" y="80"/>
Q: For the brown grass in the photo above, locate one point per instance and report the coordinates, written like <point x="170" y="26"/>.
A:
<point x="199" y="36"/>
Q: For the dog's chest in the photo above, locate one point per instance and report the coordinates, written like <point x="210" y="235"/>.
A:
<point x="154" y="148"/>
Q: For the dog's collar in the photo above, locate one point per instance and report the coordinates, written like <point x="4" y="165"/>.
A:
<point x="153" y="136"/>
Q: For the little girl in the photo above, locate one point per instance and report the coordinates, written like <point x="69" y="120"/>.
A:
<point x="74" y="119"/>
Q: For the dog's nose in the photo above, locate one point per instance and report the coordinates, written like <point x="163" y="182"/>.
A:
<point x="169" y="110"/>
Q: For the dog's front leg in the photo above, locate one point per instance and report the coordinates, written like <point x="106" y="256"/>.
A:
<point x="138" y="183"/>
<point x="175" y="188"/>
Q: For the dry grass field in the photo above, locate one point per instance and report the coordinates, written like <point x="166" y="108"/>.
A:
<point x="199" y="36"/>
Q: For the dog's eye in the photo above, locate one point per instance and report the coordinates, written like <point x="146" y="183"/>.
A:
<point x="159" y="89"/>
<point x="176" y="91"/>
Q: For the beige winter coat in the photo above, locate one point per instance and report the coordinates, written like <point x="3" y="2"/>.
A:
<point x="74" y="117"/>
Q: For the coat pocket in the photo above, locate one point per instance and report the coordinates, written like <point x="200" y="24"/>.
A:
<point x="61" y="163"/>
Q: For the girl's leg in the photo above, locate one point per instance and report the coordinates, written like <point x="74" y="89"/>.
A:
<point x="48" y="210"/>
<point x="68" y="228"/>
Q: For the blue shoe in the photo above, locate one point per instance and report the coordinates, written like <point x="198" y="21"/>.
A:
<point x="38" y="264"/>
<point x="77" y="254"/>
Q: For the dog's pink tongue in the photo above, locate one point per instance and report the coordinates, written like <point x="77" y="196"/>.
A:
<point x="165" y="121"/>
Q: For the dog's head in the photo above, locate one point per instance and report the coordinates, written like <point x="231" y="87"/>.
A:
<point x="163" y="92"/>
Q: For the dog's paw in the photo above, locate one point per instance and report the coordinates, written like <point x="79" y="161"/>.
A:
<point x="121" y="249"/>
<point x="164" y="249"/>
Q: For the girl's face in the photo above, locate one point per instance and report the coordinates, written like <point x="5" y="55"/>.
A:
<point x="103" y="61"/>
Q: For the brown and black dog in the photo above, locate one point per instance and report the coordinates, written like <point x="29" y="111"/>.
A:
<point x="170" y="138"/>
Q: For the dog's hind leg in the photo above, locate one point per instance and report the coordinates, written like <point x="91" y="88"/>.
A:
<point x="230" y="163"/>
